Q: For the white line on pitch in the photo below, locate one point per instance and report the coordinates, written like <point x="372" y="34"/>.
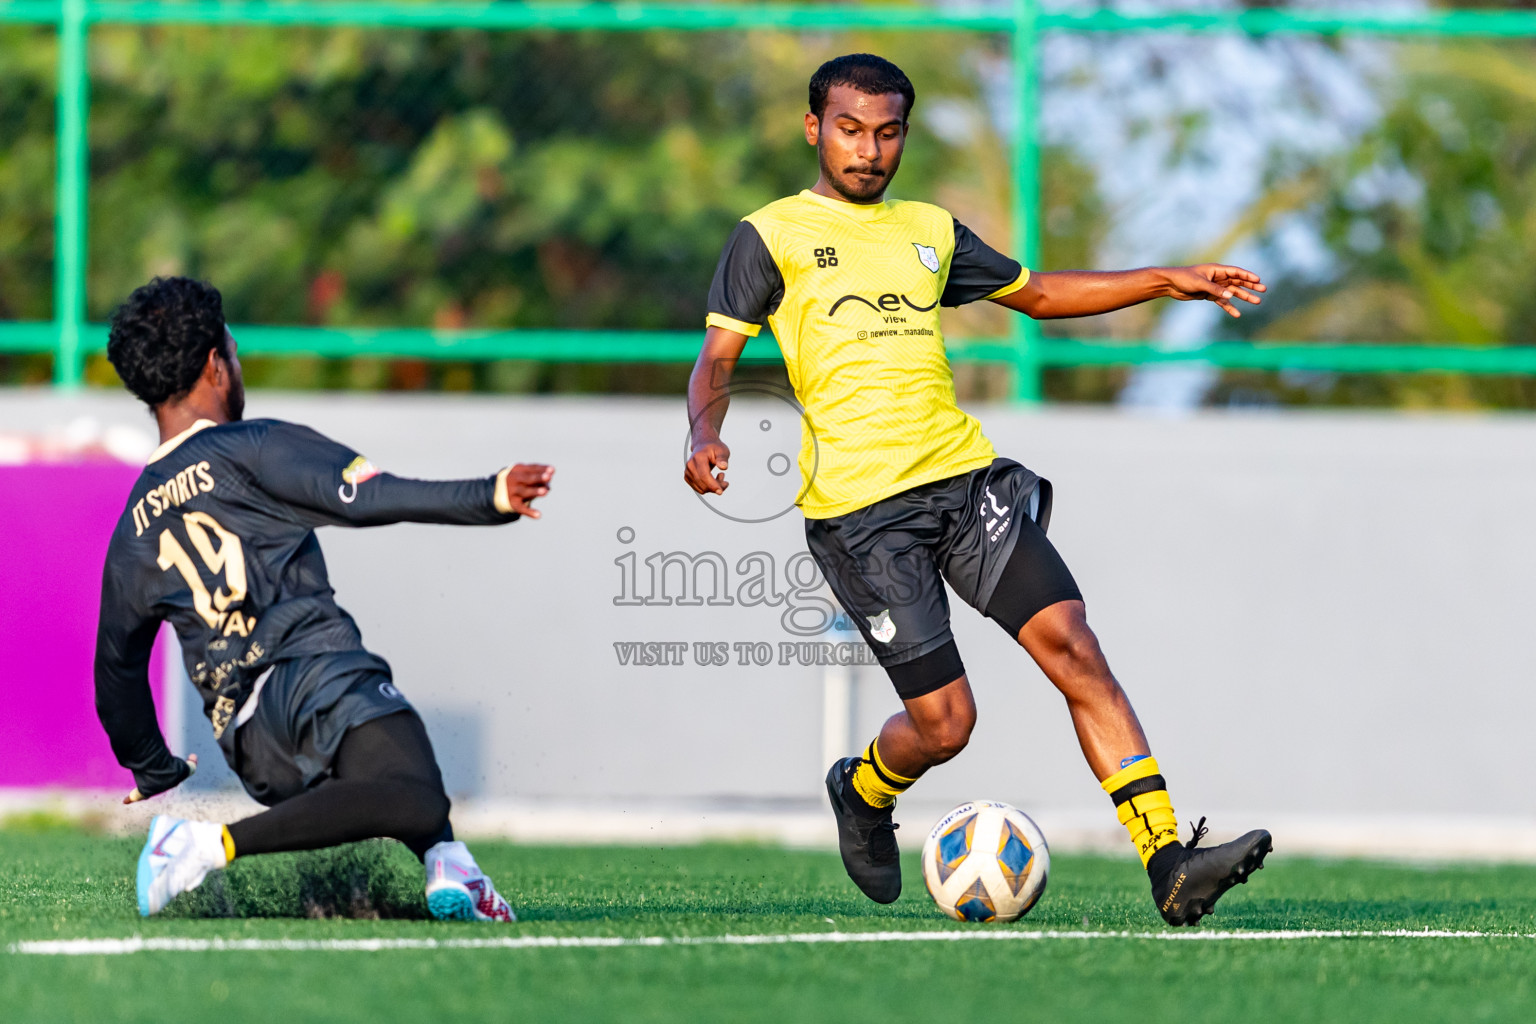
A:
<point x="138" y="944"/>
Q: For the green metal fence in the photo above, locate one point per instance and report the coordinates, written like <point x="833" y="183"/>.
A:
<point x="70" y="338"/>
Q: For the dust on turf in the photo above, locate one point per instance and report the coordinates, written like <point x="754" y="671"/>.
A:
<point x="377" y="879"/>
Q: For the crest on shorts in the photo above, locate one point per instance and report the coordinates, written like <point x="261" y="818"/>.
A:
<point x="881" y="627"/>
<point x="929" y="255"/>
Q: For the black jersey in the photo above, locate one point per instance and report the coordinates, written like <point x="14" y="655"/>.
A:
<point x="218" y="539"/>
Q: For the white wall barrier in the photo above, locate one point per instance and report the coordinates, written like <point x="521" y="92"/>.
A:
<point x="1322" y="618"/>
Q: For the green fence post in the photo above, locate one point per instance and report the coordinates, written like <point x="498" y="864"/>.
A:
<point x="69" y="198"/>
<point x="1025" y="332"/>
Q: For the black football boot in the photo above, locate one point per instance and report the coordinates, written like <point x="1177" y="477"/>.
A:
<point x="866" y="837"/>
<point x="1186" y="882"/>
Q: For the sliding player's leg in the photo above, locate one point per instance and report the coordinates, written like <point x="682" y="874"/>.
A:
<point x="1036" y="601"/>
<point x="384" y="782"/>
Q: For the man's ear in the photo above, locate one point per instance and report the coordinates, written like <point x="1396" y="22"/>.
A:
<point x="215" y="370"/>
<point x="812" y="128"/>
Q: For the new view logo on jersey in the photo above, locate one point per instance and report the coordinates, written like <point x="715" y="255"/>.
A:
<point x="892" y="302"/>
<point x="889" y="302"/>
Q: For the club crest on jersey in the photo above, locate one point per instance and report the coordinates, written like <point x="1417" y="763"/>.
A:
<point x="358" y="471"/>
<point x="881" y="627"/>
<point x="929" y="255"/>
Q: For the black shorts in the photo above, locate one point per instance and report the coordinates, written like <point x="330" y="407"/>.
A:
<point x="285" y="735"/>
<point x="983" y="533"/>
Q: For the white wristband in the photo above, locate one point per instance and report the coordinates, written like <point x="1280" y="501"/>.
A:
<point x="503" y="502"/>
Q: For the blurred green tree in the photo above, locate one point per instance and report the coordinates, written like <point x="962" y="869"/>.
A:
<point x="344" y="176"/>
<point x="1431" y="224"/>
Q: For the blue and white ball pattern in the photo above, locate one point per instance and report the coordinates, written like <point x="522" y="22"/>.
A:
<point x="985" y="861"/>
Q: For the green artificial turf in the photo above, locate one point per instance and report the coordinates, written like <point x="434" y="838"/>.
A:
<point x="64" y="884"/>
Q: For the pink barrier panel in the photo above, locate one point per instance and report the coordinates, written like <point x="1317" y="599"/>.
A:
<point x="55" y="521"/>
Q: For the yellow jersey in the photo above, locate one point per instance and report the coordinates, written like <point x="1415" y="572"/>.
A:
<point x="852" y="293"/>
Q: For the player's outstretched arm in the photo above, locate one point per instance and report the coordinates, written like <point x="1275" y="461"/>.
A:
<point x="1069" y="293"/>
<point x="709" y="395"/>
<point x="322" y="483"/>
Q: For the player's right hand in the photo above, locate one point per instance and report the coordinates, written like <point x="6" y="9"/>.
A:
<point x="135" y="796"/>
<point x="707" y="458"/>
<point x="525" y="482"/>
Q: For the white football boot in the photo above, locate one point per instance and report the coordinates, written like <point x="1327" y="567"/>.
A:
<point x="457" y="890"/>
<point x="176" y="857"/>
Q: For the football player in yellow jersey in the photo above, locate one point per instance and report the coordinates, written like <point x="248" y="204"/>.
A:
<point x="902" y="491"/>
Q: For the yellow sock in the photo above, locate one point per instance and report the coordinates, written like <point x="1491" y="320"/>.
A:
<point x="1141" y="801"/>
<point x="877" y="784"/>
<point x="229" y="843"/>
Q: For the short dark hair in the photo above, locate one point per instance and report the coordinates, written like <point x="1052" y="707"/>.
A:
<point x="161" y="336"/>
<point x="867" y="73"/>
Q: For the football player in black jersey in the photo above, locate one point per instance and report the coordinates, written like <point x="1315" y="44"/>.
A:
<point x="218" y="539"/>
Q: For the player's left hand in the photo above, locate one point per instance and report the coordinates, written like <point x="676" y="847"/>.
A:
<point x="135" y="796"/>
<point x="1215" y="282"/>
<point x="525" y="482"/>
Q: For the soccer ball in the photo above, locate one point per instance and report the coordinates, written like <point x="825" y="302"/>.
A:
<point x="985" y="861"/>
